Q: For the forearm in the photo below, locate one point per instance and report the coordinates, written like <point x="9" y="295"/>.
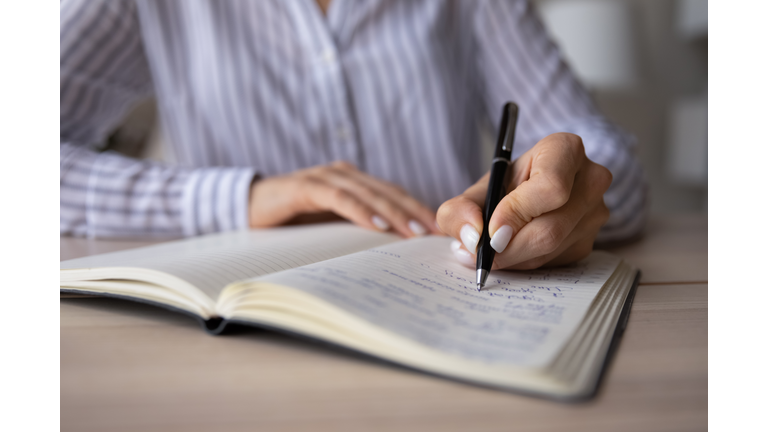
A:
<point x="109" y="195"/>
<point x="610" y="146"/>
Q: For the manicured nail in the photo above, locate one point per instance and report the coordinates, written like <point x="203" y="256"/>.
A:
<point x="380" y="223"/>
<point x="417" y="228"/>
<point x="500" y="239"/>
<point x="465" y="258"/>
<point x="455" y="245"/>
<point x="470" y="237"/>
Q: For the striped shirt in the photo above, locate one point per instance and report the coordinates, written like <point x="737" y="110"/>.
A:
<point x="249" y="88"/>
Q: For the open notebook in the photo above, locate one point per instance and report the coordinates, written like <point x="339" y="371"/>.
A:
<point x="547" y="332"/>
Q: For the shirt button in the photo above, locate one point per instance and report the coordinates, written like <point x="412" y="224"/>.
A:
<point x="328" y="55"/>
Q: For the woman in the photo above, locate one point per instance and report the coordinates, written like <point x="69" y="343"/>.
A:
<point x="367" y="110"/>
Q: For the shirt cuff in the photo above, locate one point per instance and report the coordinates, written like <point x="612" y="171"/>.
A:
<point x="216" y="199"/>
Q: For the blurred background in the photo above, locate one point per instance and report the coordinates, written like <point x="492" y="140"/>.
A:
<point x="645" y="63"/>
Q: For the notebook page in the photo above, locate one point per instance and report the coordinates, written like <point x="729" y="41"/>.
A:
<point x="416" y="289"/>
<point x="214" y="261"/>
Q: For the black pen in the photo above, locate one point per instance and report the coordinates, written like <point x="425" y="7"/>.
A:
<point x="501" y="168"/>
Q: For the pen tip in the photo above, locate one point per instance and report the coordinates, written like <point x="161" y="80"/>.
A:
<point x="482" y="275"/>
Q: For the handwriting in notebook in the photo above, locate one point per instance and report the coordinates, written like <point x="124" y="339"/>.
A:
<point x="419" y="292"/>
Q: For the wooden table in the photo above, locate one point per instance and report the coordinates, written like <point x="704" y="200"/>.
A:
<point x="126" y="366"/>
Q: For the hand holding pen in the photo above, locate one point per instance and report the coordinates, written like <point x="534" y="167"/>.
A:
<point x="550" y="213"/>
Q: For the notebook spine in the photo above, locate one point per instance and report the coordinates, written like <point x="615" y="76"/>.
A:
<point x="214" y="326"/>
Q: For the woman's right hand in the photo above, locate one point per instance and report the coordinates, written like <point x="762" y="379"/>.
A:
<point x="342" y="189"/>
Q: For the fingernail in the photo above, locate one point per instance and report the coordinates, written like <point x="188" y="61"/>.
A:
<point x="470" y="237"/>
<point x="464" y="257"/>
<point x="455" y="245"/>
<point x="417" y="228"/>
<point x="500" y="239"/>
<point x="380" y="223"/>
<point x="437" y="225"/>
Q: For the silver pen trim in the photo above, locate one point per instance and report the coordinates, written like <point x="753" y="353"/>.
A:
<point x="482" y="276"/>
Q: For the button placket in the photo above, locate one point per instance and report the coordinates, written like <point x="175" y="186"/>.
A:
<point x="331" y="77"/>
<point x="327" y="74"/>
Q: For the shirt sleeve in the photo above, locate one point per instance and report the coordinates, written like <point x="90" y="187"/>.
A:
<point x="104" y="72"/>
<point x="517" y="61"/>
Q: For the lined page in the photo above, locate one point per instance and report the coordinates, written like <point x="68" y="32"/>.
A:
<point x="212" y="262"/>
<point x="416" y="289"/>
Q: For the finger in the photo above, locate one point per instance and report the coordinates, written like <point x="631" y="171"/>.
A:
<point x="462" y="255"/>
<point x="554" y="163"/>
<point x="545" y="234"/>
<point x="318" y="195"/>
<point x="314" y="218"/>
<point x="536" y="245"/>
<point x="575" y="252"/>
<point x="389" y="213"/>
<point x="422" y="219"/>
<point x="462" y="217"/>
